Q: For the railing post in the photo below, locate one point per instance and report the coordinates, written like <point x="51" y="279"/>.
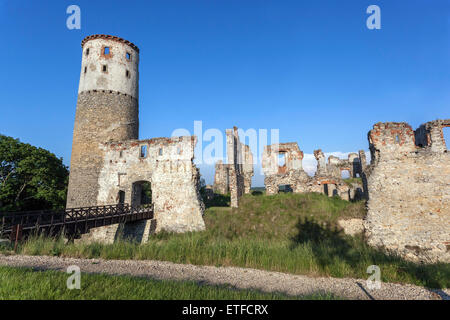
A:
<point x="16" y="235"/>
<point x="3" y="226"/>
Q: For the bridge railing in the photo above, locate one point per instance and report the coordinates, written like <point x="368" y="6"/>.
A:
<point x="34" y="220"/>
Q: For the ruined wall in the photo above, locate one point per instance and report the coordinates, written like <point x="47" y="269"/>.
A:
<point x="221" y="178"/>
<point x="431" y="135"/>
<point x="168" y="166"/>
<point x="243" y="166"/>
<point x="336" y="166"/>
<point x="288" y="173"/>
<point x="235" y="162"/>
<point x="328" y="177"/>
<point x="107" y="110"/>
<point x="247" y="168"/>
<point x="409" y="192"/>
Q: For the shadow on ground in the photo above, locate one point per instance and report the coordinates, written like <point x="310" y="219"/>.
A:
<point x="331" y="247"/>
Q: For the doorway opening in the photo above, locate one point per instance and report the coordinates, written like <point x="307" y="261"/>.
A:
<point x="141" y="193"/>
<point x="285" y="188"/>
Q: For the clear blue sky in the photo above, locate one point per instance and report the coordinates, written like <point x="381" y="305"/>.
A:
<point x="309" y="68"/>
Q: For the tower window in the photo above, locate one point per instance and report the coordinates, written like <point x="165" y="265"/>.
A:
<point x="105" y="68"/>
<point x="87" y="51"/>
<point x="85" y="69"/>
<point x="128" y="56"/>
<point x="106" y="50"/>
<point x="397" y="139"/>
<point x="160" y="152"/>
<point x="127" y="74"/>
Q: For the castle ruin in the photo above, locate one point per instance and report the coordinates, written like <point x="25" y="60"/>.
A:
<point x="234" y="177"/>
<point x="109" y="164"/>
<point x="282" y="166"/>
<point x="406" y="183"/>
<point x="283" y="170"/>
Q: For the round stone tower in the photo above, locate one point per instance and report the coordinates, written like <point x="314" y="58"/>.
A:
<point x="107" y="110"/>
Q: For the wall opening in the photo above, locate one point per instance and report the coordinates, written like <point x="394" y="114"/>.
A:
<point x="285" y="188"/>
<point x="121" y="197"/>
<point x="330" y="189"/>
<point x="160" y="151"/>
<point x="345" y="174"/>
<point x="446" y="135"/>
<point x="106" y="50"/>
<point x="143" y="152"/>
<point x="128" y="56"/>
<point x="141" y="193"/>
<point x="105" y="68"/>
<point x="325" y="189"/>
<point x="87" y="51"/>
<point x="281" y="159"/>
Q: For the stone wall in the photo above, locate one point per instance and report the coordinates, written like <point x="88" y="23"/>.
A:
<point x="290" y="173"/>
<point x="221" y="178"/>
<point x="234" y="177"/>
<point x="409" y="191"/>
<point x="235" y="162"/>
<point x="247" y="168"/>
<point x="166" y="163"/>
<point x="328" y="177"/>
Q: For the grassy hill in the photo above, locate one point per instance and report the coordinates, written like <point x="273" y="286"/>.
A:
<point x="278" y="217"/>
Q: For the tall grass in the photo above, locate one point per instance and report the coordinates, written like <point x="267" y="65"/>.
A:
<point x="295" y="233"/>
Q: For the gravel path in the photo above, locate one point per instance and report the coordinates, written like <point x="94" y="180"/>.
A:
<point x="241" y="278"/>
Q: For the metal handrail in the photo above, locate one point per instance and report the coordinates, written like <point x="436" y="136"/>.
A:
<point x="35" y="220"/>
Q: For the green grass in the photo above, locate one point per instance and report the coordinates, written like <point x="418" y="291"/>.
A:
<point x="28" y="284"/>
<point x="294" y="233"/>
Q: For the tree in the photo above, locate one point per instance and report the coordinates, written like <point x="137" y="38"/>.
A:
<point x="31" y="178"/>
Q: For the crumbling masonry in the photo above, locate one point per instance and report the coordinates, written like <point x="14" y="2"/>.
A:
<point x="234" y="177"/>
<point x="282" y="167"/>
<point x="328" y="177"/>
<point x="109" y="164"/>
<point x="408" y="184"/>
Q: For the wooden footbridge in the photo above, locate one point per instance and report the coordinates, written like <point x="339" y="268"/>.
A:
<point x="70" y="222"/>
